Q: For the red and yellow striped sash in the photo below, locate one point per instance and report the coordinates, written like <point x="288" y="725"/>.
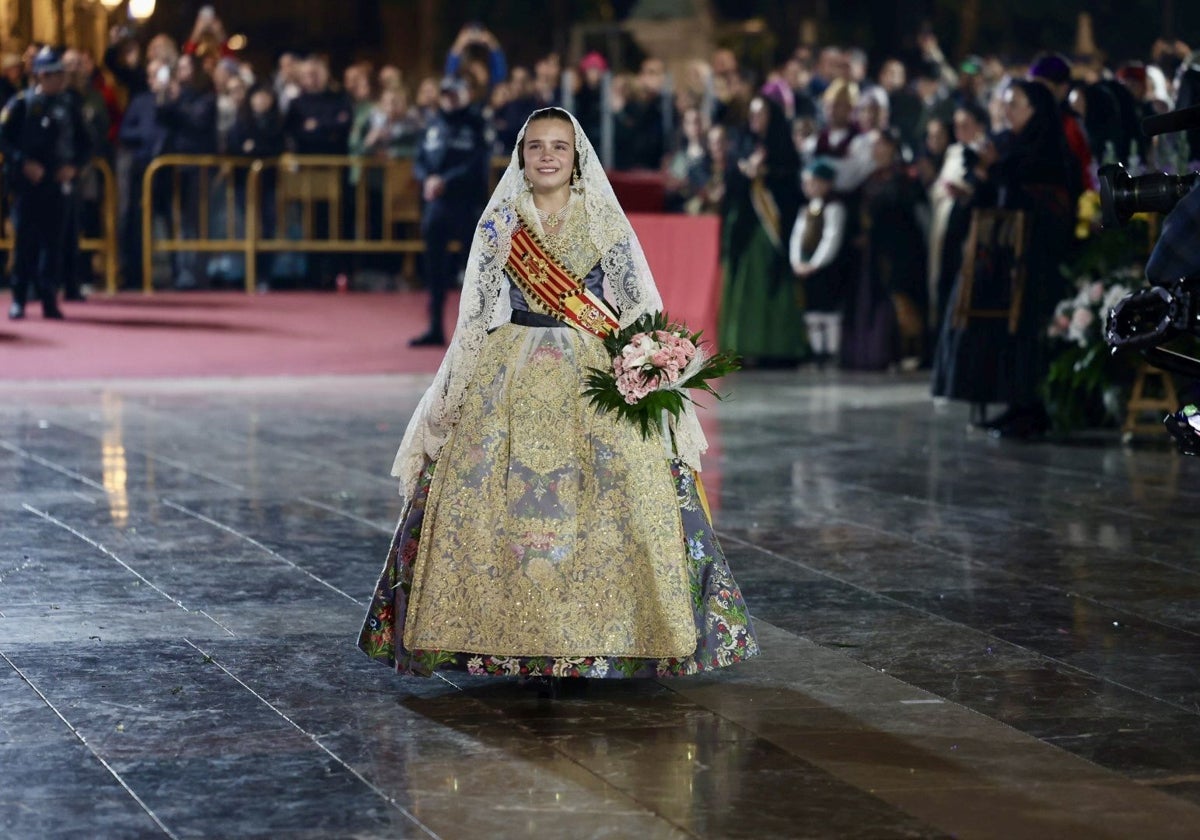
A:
<point x="540" y="277"/>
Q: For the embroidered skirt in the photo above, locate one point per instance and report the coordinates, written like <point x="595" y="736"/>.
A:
<point x="549" y="539"/>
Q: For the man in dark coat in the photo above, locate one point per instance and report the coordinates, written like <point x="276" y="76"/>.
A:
<point x="140" y="139"/>
<point x="319" y="119"/>
<point x="452" y="168"/>
<point x="187" y="108"/>
<point x="318" y="122"/>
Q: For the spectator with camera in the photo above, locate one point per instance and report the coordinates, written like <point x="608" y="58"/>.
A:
<point x="476" y="43"/>
<point x="395" y="128"/>
<point x="208" y="36"/>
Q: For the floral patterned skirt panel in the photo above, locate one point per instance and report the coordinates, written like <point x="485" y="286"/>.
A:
<point x="550" y="539"/>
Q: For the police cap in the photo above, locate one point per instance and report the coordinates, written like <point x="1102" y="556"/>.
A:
<point x="47" y="60"/>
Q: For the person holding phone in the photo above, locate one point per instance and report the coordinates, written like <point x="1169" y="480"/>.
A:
<point x="208" y="35"/>
<point x="475" y="41"/>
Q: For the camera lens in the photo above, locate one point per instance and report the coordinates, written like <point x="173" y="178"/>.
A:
<point x="1121" y="196"/>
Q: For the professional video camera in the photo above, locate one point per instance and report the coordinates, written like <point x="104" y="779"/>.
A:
<point x="1146" y="319"/>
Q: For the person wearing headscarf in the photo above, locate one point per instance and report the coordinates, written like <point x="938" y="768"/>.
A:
<point x="541" y="537"/>
<point x="759" y="317"/>
<point x="1133" y="143"/>
<point x="1187" y="95"/>
<point x="1030" y="169"/>
<point x="883" y="322"/>
<point x="950" y="199"/>
<point x="1054" y="71"/>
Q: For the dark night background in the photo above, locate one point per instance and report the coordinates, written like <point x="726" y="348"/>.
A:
<point x="416" y="33"/>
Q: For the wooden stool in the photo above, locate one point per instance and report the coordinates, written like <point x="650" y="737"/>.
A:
<point x="995" y="250"/>
<point x="1139" y="403"/>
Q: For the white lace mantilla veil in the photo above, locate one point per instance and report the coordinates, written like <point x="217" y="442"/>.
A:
<point x="628" y="285"/>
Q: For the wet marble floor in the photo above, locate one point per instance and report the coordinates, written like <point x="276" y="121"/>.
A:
<point x="962" y="637"/>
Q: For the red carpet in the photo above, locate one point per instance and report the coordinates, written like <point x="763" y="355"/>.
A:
<point x="181" y="334"/>
<point x="177" y="334"/>
<point x="190" y="334"/>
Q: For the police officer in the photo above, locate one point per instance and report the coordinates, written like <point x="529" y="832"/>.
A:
<point x="45" y="145"/>
<point x="452" y="168"/>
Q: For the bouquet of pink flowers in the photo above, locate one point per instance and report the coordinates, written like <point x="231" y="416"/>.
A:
<point x="653" y="361"/>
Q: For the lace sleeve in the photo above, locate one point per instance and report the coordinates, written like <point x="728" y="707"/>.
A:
<point x="625" y="277"/>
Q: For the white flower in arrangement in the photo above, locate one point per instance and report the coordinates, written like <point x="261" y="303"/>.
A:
<point x="1081" y="319"/>
<point x="475" y="665"/>
<point x="639" y="351"/>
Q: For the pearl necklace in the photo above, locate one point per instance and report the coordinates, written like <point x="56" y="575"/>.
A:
<point x="554" y="219"/>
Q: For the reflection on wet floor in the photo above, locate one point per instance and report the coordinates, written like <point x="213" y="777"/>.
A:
<point x="962" y="637"/>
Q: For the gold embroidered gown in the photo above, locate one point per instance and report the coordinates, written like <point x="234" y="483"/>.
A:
<point x="548" y="538"/>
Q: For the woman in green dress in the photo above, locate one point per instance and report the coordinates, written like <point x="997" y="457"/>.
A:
<point x="761" y="315"/>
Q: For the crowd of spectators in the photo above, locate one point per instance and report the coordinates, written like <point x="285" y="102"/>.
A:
<point x="902" y="148"/>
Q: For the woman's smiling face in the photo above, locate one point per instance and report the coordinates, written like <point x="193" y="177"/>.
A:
<point x="549" y="153"/>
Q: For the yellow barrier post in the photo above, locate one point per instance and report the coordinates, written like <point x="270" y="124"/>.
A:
<point x="251" y="212"/>
<point x="148" y="226"/>
<point x="111" y="223"/>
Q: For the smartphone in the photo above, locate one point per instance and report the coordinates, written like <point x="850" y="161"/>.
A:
<point x="163" y="75"/>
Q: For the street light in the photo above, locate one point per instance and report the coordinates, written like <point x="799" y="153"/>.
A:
<point x="111" y="4"/>
<point x="139" y="10"/>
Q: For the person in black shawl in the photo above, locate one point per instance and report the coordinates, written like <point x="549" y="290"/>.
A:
<point x="760" y="318"/>
<point x="1187" y="86"/>
<point x="1028" y="168"/>
<point x="882" y="312"/>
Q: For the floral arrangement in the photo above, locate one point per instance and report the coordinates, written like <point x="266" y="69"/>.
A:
<point x="1084" y="379"/>
<point x="1081" y="319"/>
<point x="1086" y="383"/>
<point x="653" y="361"/>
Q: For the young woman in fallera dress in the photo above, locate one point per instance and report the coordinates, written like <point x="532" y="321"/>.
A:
<point x="540" y="537"/>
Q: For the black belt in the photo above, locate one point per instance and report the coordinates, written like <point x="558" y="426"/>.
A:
<point x="523" y="318"/>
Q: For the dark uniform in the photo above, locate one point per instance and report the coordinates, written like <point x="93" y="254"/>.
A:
<point x="47" y="129"/>
<point x="457" y="150"/>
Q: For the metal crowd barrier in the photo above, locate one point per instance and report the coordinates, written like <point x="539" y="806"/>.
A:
<point x="105" y="243"/>
<point x="300" y="189"/>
